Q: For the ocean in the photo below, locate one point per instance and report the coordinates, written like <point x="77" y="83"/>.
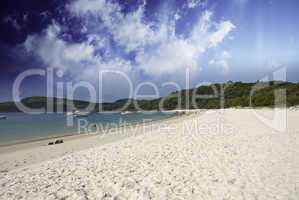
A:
<point x="21" y="127"/>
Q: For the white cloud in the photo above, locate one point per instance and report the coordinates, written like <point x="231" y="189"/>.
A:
<point x="226" y="55"/>
<point x="222" y="61"/>
<point x="171" y="57"/>
<point x="79" y="58"/>
<point x="117" y="64"/>
<point x="79" y="52"/>
<point x="80" y="7"/>
<point x="177" y="16"/>
<point x="223" y="29"/>
<point x="55" y="52"/>
<point x="130" y="31"/>
<point x="157" y="48"/>
<point x="176" y="54"/>
<point x="195" y="3"/>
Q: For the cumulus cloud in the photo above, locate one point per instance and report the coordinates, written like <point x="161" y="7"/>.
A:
<point x="177" y="54"/>
<point x="55" y="52"/>
<point x="130" y="30"/>
<point x="138" y="44"/>
<point x="78" y="58"/>
<point x="170" y="57"/>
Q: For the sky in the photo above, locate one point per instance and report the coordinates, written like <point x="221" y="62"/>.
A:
<point x="150" y="41"/>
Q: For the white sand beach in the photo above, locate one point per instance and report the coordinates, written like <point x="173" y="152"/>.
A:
<point x="215" y="154"/>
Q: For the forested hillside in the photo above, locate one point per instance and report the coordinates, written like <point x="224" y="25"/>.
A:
<point x="238" y="94"/>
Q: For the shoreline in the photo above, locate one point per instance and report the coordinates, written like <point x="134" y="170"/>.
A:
<point x="73" y="136"/>
<point x="27" y="144"/>
<point x="27" y="154"/>
<point x="245" y="159"/>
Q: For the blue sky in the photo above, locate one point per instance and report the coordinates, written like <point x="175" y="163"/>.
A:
<point x="155" y="41"/>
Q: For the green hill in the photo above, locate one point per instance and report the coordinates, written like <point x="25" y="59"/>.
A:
<point x="236" y="95"/>
<point x="212" y="96"/>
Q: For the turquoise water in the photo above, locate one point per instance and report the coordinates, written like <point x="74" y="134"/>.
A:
<point x="20" y="127"/>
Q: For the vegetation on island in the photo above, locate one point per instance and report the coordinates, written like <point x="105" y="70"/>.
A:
<point x="227" y="95"/>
